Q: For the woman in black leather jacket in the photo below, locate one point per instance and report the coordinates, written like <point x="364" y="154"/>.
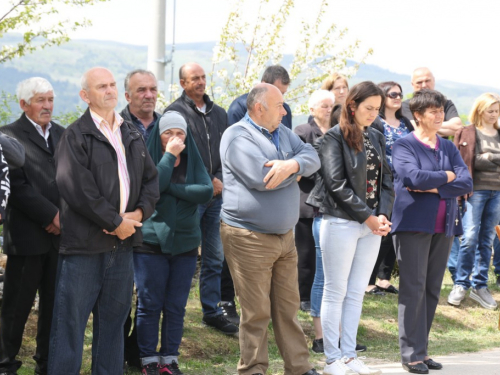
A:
<point x="356" y="207"/>
<point x="393" y="125"/>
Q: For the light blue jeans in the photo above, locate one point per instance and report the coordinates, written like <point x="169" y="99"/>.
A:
<point x="350" y="250"/>
<point x="483" y="213"/>
<point x="319" y="279"/>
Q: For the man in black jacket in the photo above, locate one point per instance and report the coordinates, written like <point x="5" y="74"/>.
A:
<point x="108" y="185"/>
<point x="141" y="92"/>
<point x="207" y="121"/>
<point x="31" y="228"/>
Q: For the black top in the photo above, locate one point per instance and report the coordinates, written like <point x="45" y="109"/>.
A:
<point x="450" y="110"/>
<point x="206" y="128"/>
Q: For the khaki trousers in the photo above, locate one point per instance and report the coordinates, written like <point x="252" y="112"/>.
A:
<point x="264" y="271"/>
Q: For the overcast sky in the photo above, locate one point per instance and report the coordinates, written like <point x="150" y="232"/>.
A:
<point x="457" y="39"/>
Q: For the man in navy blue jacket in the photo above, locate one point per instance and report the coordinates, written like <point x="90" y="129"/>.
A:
<point x="277" y="76"/>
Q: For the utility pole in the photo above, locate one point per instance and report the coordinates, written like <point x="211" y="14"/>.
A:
<point x="157" y="61"/>
<point x="156" y="48"/>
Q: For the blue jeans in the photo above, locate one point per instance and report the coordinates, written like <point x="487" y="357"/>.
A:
<point x="212" y="256"/>
<point x="319" y="279"/>
<point x="496" y="256"/>
<point x="483" y="213"/>
<point x="100" y="284"/>
<point x="163" y="284"/>
<point x="350" y="250"/>
<point x="453" y="258"/>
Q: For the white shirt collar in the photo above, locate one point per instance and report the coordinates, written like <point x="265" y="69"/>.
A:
<point x="40" y="130"/>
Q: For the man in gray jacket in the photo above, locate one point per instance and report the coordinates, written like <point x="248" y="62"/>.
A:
<point x="261" y="161"/>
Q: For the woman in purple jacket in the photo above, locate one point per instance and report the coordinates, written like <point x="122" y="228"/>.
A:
<point x="429" y="174"/>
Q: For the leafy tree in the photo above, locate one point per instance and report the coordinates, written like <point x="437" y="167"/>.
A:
<point x="25" y="16"/>
<point x="245" y="49"/>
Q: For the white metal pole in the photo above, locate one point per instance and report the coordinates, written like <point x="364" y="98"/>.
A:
<point x="156" y="49"/>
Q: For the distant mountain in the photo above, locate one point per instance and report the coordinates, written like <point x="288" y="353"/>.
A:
<point x="64" y="65"/>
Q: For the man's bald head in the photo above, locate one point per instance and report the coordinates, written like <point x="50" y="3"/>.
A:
<point x="99" y="90"/>
<point x="193" y="80"/>
<point x="265" y="106"/>
<point x="422" y="78"/>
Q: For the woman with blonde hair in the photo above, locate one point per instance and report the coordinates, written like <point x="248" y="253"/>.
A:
<point x="479" y="145"/>
<point x="337" y="84"/>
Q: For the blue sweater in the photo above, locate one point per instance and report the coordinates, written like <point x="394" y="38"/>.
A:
<point x="246" y="202"/>
<point x="421" y="168"/>
<point x="238" y="108"/>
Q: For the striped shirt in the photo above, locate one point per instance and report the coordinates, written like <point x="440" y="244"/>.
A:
<point x="114" y="136"/>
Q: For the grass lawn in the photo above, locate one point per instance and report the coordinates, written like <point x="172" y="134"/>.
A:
<point x="468" y="328"/>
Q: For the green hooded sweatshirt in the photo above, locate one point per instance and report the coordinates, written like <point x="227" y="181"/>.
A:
<point x="175" y="224"/>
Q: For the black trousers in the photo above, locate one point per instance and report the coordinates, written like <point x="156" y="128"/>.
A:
<point x="131" y="349"/>
<point x="226" y="284"/>
<point x="422" y="259"/>
<point x="24" y="276"/>
<point x="385" y="261"/>
<point x="306" y="251"/>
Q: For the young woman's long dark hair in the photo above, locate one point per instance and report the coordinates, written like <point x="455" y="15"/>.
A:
<point x="359" y="93"/>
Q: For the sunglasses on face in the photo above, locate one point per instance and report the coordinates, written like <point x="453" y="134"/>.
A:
<point x="395" y="95"/>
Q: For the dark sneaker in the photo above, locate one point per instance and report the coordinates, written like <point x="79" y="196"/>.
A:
<point x="229" y="312"/>
<point x="360" y="348"/>
<point x="318" y="346"/>
<point x="164" y="370"/>
<point x="220" y="323"/>
<point x="151" y="369"/>
<point x="305" y="306"/>
<point x="174" y="368"/>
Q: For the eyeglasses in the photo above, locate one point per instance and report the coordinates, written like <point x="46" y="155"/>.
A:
<point x="395" y="95"/>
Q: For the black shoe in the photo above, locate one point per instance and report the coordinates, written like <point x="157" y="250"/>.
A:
<point x="174" y="368"/>
<point x="498" y="281"/>
<point x="360" y="348"/>
<point x="376" y="291"/>
<point x="133" y="360"/>
<point x="318" y="346"/>
<point x="305" y="306"/>
<point x="151" y="369"/>
<point x="419" y="368"/>
<point x="230" y="313"/>
<point x="220" y="323"/>
<point x="432" y="365"/>
<point x="311" y="372"/>
<point x="390" y="289"/>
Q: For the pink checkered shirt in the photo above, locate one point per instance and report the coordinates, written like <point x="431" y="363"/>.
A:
<point x="114" y="136"/>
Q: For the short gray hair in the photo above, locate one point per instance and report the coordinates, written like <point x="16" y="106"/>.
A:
<point x="28" y="88"/>
<point x="257" y="95"/>
<point x="134" y="72"/>
<point x="318" y="96"/>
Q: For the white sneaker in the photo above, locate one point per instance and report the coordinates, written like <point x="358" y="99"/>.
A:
<point x="338" y="367"/>
<point x="359" y="367"/>
<point x="457" y="294"/>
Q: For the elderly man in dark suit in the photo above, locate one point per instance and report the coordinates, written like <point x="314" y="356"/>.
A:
<point x="31" y="229"/>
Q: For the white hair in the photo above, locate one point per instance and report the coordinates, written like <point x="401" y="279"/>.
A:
<point x="28" y="88"/>
<point x="318" y="96"/>
<point x="83" y="82"/>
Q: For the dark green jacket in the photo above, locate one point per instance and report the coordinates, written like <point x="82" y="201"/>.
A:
<point x="175" y="224"/>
